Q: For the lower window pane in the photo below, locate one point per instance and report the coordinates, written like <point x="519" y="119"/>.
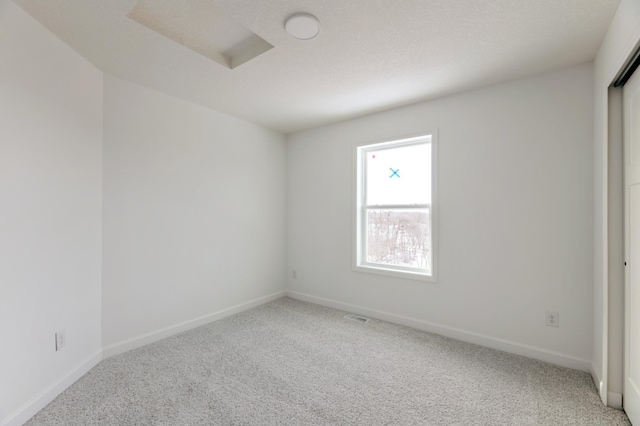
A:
<point x="399" y="237"/>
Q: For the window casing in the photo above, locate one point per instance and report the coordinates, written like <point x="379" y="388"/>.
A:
<point x="395" y="216"/>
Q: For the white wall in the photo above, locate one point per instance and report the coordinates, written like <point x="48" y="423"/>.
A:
<point x="516" y="216"/>
<point x="50" y="214"/>
<point x="620" y="41"/>
<point x="194" y="221"/>
<point x="194" y="213"/>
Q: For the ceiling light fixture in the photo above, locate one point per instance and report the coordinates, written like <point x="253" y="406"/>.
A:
<point x="302" y="26"/>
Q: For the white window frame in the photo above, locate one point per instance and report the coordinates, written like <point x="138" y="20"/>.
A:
<point x="360" y="209"/>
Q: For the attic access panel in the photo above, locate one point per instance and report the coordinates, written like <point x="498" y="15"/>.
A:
<point x="201" y="27"/>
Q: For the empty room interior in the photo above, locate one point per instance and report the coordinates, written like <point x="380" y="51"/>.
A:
<point x="362" y="212"/>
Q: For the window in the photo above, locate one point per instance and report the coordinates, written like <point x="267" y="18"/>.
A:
<point x="394" y="215"/>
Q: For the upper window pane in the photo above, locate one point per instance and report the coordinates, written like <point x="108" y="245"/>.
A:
<point x="399" y="175"/>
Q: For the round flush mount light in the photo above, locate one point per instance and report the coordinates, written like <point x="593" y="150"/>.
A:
<point x="302" y="26"/>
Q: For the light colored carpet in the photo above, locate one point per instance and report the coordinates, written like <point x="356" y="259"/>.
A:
<point x="295" y="363"/>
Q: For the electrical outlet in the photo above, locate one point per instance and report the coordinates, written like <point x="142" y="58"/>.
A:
<point x="552" y="319"/>
<point x="294" y="274"/>
<point x="61" y="339"/>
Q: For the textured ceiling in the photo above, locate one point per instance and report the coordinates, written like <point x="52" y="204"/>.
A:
<point x="371" y="55"/>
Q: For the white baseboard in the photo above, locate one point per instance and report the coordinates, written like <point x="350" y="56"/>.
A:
<point x="595" y="375"/>
<point x="455" y="333"/>
<point x="614" y="400"/>
<point x="145" y="339"/>
<point x="38" y="402"/>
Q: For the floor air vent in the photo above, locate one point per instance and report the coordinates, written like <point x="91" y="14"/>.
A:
<point x="357" y="318"/>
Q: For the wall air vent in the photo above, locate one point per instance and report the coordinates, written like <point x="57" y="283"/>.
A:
<point x="357" y="318"/>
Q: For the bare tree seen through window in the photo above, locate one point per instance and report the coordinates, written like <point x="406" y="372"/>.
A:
<point x="401" y="238"/>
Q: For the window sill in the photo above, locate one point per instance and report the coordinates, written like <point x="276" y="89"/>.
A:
<point x="395" y="273"/>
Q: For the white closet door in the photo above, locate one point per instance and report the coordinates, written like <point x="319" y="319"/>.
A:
<point x="632" y="250"/>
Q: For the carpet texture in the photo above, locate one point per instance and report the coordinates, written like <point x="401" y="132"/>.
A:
<point x="295" y="363"/>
